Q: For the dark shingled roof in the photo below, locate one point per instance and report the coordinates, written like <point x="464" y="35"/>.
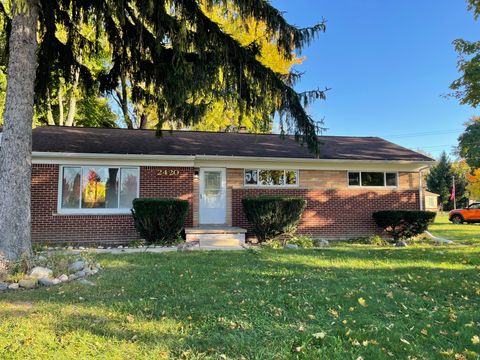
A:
<point x="123" y="141"/>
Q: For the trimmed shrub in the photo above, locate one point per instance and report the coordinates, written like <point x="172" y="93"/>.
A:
<point x="160" y="221"/>
<point x="403" y="224"/>
<point x="272" y="216"/>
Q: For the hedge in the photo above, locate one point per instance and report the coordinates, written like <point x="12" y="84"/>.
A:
<point x="160" y="221"/>
<point x="403" y="224"/>
<point x="272" y="216"/>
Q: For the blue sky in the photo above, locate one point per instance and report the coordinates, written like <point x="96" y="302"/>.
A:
<point x="388" y="64"/>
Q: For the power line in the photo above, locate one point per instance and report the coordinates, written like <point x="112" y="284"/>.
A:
<point x="425" y="133"/>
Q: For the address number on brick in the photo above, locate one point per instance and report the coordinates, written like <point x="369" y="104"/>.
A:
<point x="168" y="172"/>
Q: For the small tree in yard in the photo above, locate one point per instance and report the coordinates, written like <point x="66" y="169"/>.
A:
<point x="403" y="224"/>
<point x="272" y="216"/>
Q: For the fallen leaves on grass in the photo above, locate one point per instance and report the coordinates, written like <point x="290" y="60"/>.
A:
<point x="319" y="335"/>
<point x="362" y="302"/>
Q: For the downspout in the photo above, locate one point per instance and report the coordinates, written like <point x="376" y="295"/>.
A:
<point x="420" y="186"/>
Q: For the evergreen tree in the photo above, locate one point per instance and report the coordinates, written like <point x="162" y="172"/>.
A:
<point x="440" y="181"/>
<point x="461" y="170"/>
<point x="168" y="45"/>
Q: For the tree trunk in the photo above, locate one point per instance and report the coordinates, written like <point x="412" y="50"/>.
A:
<point x="123" y="98"/>
<point x="16" y="149"/>
<point x="72" y="104"/>
<point x="143" y="121"/>
<point x="61" y="119"/>
<point x="50" y="120"/>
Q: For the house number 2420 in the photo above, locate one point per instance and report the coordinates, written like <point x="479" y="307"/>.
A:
<point x="168" y="172"/>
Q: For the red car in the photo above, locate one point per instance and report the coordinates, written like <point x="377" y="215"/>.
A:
<point x="470" y="214"/>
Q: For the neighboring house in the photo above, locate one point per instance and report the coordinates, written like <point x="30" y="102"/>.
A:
<point x="84" y="180"/>
<point x="430" y="201"/>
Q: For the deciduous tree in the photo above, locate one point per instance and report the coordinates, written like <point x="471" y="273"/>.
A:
<point x="473" y="186"/>
<point x="469" y="142"/>
<point x="467" y="87"/>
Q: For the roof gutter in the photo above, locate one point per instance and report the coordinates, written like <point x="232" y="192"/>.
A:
<point x="221" y="161"/>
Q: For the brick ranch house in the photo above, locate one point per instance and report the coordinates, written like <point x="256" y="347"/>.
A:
<point x="84" y="180"/>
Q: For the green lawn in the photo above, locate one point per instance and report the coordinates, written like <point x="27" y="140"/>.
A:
<point x="337" y="303"/>
<point x="463" y="234"/>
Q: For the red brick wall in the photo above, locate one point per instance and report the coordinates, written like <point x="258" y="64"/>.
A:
<point x="48" y="226"/>
<point x="330" y="213"/>
<point x="333" y="213"/>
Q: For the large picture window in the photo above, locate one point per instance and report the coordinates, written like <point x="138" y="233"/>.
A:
<point x="97" y="188"/>
<point x="372" y="179"/>
<point x="266" y="177"/>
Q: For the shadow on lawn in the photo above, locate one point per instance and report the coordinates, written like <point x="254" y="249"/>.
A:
<point x="245" y="303"/>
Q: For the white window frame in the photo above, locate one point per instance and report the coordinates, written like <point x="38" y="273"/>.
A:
<point x="431" y="201"/>
<point x="96" y="211"/>
<point x="297" y="183"/>
<point x="374" y="187"/>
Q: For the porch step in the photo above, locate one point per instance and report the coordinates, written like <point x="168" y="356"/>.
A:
<point x="210" y="236"/>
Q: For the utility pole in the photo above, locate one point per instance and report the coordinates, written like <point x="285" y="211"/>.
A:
<point x="454" y="195"/>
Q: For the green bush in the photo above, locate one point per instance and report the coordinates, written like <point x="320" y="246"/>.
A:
<point x="403" y="224"/>
<point x="302" y="241"/>
<point x="369" y="240"/>
<point x="272" y="216"/>
<point x="160" y="221"/>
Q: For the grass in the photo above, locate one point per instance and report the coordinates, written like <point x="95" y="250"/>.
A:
<point x="337" y="303"/>
<point x="462" y="234"/>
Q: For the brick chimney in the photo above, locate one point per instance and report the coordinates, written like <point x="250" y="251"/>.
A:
<point x="242" y="129"/>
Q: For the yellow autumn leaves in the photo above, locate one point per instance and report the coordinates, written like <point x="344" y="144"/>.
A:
<point x="362" y="302"/>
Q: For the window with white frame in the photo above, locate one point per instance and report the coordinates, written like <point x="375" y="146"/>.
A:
<point x="431" y="202"/>
<point x="97" y="188"/>
<point x="267" y="177"/>
<point x="372" y="179"/>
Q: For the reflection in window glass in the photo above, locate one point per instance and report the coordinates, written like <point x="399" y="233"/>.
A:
<point x="354" y="179"/>
<point x="265" y="177"/>
<point x="271" y="177"/>
<point x="391" y="179"/>
<point x="71" y="188"/>
<point x="373" y="179"/>
<point x="251" y="177"/>
<point x="96" y="187"/>
<point x="128" y="187"/>
<point x="291" y="177"/>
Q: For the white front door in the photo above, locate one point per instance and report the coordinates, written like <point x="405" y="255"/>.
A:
<point x="213" y="196"/>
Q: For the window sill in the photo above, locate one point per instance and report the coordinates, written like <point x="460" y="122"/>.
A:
<point x="373" y="187"/>
<point x="93" y="213"/>
<point x="271" y="186"/>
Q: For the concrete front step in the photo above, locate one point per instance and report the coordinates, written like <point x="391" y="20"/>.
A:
<point x="210" y="236"/>
<point x="222" y="248"/>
